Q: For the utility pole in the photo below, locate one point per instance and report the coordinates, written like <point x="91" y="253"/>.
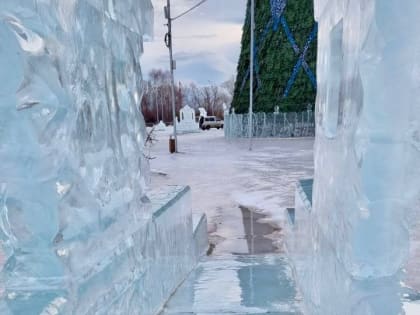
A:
<point x="251" y="75"/>
<point x="156" y="104"/>
<point x="168" y="42"/>
<point x="161" y="108"/>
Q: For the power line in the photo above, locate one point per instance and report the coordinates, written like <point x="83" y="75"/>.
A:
<point x="168" y="42"/>
<point x="189" y="10"/>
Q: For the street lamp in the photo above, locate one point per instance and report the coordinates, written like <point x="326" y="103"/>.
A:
<point x="156" y="103"/>
<point x="251" y="75"/>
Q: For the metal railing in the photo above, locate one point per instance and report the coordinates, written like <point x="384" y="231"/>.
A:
<point x="265" y="125"/>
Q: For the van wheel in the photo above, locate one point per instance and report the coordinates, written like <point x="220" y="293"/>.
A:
<point x="208" y="127"/>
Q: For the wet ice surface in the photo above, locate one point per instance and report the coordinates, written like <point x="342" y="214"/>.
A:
<point x="223" y="176"/>
<point x="247" y="272"/>
<point x="255" y="284"/>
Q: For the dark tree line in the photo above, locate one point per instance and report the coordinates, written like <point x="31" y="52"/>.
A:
<point x="157" y="102"/>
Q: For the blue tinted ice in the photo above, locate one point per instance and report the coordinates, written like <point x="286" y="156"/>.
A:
<point x="354" y="242"/>
<point x="72" y="170"/>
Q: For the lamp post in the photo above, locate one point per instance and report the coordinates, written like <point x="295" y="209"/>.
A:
<point x="156" y="103"/>
<point x="168" y="42"/>
<point x="251" y="75"/>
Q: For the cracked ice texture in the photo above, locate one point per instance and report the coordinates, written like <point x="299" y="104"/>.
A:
<point x="71" y="139"/>
<point x="367" y="153"/>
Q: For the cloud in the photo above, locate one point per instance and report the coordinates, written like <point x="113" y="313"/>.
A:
<point x="191" y="55"/>
<point x="206" y="36"/>
<point x="206" y="41"/>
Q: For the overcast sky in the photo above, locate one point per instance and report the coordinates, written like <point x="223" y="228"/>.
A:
<point x="206" y="41"/>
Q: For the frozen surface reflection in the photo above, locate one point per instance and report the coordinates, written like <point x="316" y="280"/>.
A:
<point x="252" y="284"/>
<point x="255" y="279"/>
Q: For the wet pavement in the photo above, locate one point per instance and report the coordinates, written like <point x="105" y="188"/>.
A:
<point x="247" y="273"/>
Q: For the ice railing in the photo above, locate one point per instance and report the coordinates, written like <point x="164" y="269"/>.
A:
<point x="265" y="125"/>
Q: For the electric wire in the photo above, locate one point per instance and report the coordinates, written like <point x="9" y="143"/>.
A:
<point x="189" y="10"/>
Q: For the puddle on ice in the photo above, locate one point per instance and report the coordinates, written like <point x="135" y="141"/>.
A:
<point x="242" y="231"/>
<point x="245" y="274"/>
<point x="257" y="233"/>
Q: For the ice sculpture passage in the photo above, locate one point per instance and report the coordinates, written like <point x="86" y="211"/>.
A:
<point x="349" y="247"/>
<point x="71" y="142"/>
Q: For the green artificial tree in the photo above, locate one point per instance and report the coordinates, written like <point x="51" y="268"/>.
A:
<point x="285" y="57"/>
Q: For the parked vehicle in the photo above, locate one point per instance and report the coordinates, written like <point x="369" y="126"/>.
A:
<point x="209" y="122"/>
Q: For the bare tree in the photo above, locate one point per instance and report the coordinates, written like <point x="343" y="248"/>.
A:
<point x="229" y="85"/>
<point x="156" y="103"/>
<point x="196" y="96"/>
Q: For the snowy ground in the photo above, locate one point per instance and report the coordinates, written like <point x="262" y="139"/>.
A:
<point x="227" y="180"/>
<point x="244" y="194"/>
<point x="224" y="175"/>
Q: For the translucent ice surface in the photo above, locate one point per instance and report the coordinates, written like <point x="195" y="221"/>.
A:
<point x="72" y="170"/>
<point x="354" y="241"/>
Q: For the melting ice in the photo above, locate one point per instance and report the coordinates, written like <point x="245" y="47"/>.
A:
<point x="72" y="171"/>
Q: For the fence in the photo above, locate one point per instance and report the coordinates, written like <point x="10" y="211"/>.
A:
<point x="265" y="125"/>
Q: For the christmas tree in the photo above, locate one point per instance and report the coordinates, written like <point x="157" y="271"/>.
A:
<point x="284" y="57"/>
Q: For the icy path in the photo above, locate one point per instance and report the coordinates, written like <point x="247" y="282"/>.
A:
<point x="224" y="175"/>
<point x="243" y="194"/>
<point x="253" y="280"/>
<point x="238" y="285"/>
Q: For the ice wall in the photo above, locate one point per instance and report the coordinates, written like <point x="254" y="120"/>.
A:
<point x="72" y="171"/>
<point x="367" y="157"/>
